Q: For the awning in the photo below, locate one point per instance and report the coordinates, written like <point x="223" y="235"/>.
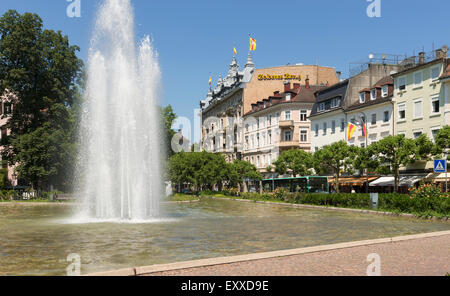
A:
<point x="437" y="177"/>
<point x="352" y="181"/>
<point x="403" y="181"/>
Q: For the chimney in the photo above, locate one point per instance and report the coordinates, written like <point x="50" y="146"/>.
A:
<point x="338" y="74"/>
<point x="421" y="58"/>
<point x="287" y="86"/>
<point x="296" y="86"/>
<point x="276" y="92"/>
<point x="440" y="54"/>
<point x="307" y="83"/>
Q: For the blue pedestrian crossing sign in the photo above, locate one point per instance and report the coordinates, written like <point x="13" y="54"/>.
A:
<point x="440" y="166"/>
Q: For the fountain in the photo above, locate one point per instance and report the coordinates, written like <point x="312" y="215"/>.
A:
<point x="119" y="172"/>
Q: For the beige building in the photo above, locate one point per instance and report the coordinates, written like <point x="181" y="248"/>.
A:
<point x="233" y="96"/>
<point x="420" y="99"/>
<point x="421" y="103"/>
<point x="279" y="123"/>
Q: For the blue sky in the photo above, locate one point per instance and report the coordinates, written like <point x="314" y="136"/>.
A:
<point x="196" y="38"/>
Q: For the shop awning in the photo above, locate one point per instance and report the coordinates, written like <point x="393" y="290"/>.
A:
<point x="352" y="181"/>
<point x="403" y="181"/>
<point x="436" y="177"/>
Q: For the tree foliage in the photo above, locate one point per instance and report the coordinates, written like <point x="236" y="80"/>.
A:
<point x="296" y="161"/>
<point x="336" y="158"/>
<point x="41" y="70"/>
<point x="204" y="170"/>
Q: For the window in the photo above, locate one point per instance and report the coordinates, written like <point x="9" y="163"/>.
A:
<point x="317" y="130"/>
<point x="401" y="111"/>
<point x="386" y="116"/>
<point x="435" y="105"/>
<point x="402" y="83"/>
<point x="270" y="120"/>
<point x="417" y="134"/>
<point x="287" y="115"/>
<point x="303" y="115"/>
<point x="324" y="128"/>
<point x="258" y="163"/>
<point x="362" y="97"/>
<point x="417" y="109"/>
<point x="270" y="137"/>
<point x="384" y="91"/>
<point x="287" y="136"/>
<point x="363" y="145"/>
<point x="333" y="126"/>
<point x="342" y="124"/>
<point x="374" y="119"/>
<point x="434" y="132"/>
<point x="303" y="136"/>
<point x="321" y="106"/>
<point x="435" y="73"/>
<point x="246" y="141"/>
<point x="418" y="79"/>
<point x="257" y="140"/>
<point x="373" y="94"/>
<point x="335" y="103"/>
<point x="246" y="127"/>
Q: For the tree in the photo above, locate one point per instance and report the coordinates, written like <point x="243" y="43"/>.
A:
<point x="245" y="170"/>
<point x="40" y="69"/>
<point x="168" y="117"/>
<point x="365" y="161"/>
<point x="296" y="161"/>
<point x="336" y="158"/>
<point x="442" y="141"/>
<point x="393" y="152"/>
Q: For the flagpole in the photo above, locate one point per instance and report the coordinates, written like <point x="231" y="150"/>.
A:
<point x="366" y="133"/>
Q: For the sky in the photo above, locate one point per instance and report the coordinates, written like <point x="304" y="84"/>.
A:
<point x="195" y="38"/>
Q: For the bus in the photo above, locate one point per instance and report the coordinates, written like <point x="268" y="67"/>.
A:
<point x="310" y="184"/>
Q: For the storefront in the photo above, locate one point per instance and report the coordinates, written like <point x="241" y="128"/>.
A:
<point x="386" y="184"/>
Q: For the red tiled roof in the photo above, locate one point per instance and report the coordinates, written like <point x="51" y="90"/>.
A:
<point x="299" y="94"/>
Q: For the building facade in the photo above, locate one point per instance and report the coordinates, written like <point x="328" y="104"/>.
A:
<point x="279" y="123"/>
<point x="222" y="111"/>
<point x="329" y="118"/>
<point x="6" y="109"/>
<point x="375" y="108"/>
<point x="420" y="99"/>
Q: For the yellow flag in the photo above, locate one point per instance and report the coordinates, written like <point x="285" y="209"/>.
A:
<point x="252" y="44"/>
<point x="235" y="51"/>
<point x="210" y="80"/>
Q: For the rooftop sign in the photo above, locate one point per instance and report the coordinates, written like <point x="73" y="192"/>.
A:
<point x="279" y="77"/>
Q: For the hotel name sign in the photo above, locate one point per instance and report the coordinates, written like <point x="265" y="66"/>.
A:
<point x="262" y="77"/>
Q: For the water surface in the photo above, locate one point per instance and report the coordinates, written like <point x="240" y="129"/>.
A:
<point x="36" y="239"/>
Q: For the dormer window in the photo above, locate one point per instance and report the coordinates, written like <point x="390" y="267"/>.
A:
<point x="288" y="97"/>
<point x="335" y="103"/>
<point x="373" y="94"/>
<point x="384" y="91"/>
<point x="362" y="97"/>
<point x="321" y="106"/>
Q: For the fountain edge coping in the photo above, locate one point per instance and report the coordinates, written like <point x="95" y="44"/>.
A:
<point x="145" y="270"/>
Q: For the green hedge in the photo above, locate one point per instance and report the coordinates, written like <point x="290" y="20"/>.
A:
<point x="438" y="205"/>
